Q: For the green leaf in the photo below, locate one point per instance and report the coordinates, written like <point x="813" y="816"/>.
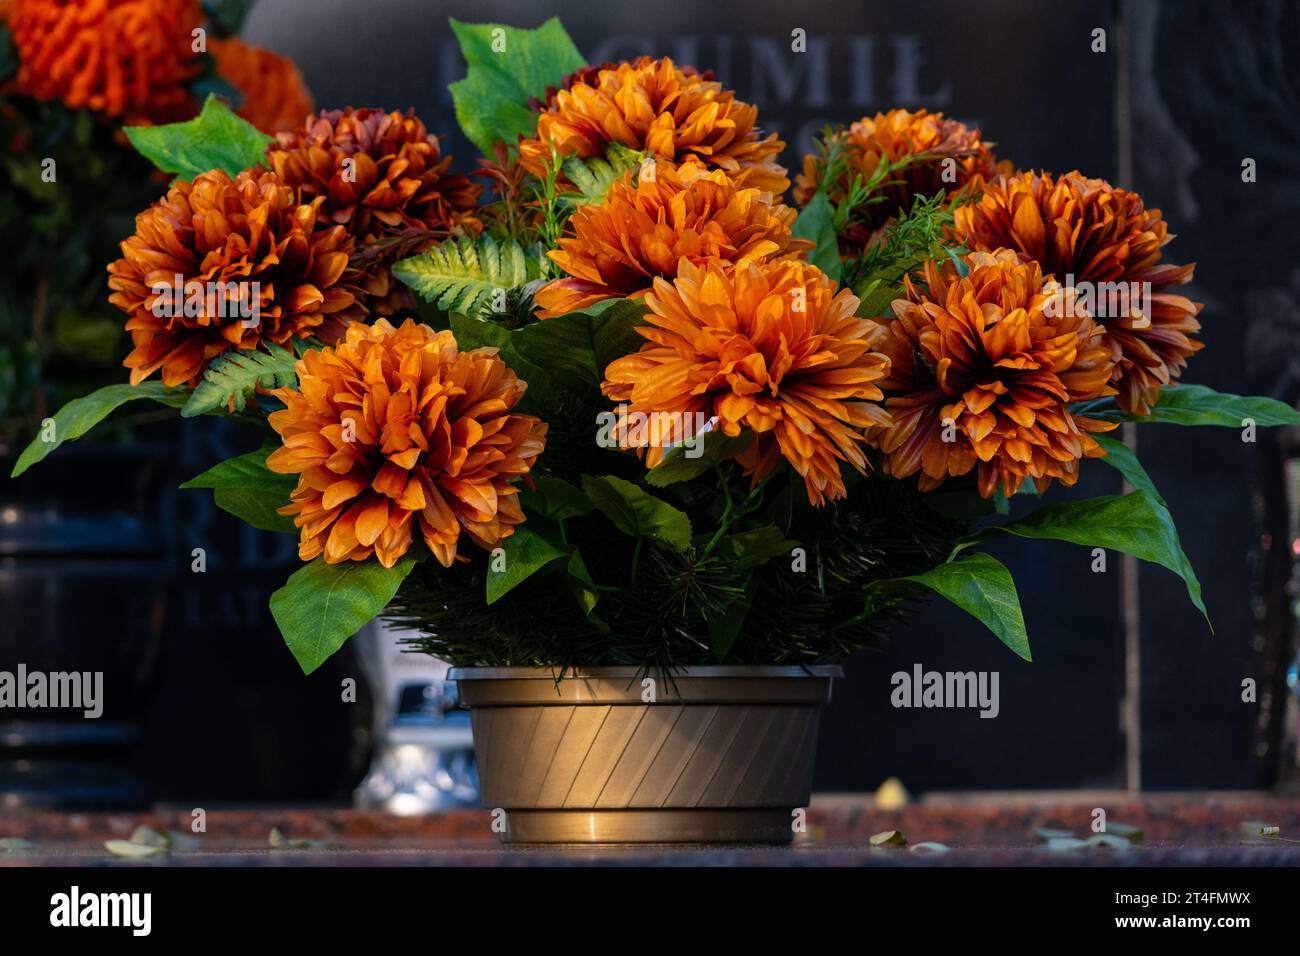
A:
<point x="226" y="16"/>
<point x="575" y="348"/>
<point x="82" y="414"/>
<point x="544" y="392"/>
<point x="508" y="67"/>
<point x="981" y="586"/>
<point x="678" y="465"/>
<point x="748" y="549"/>
<point x="234" y="376"/>
<point x="215" y="139"/>
<point x="322" y="605"/>
<point x="526" y="553"/>
<point x="1198" y="405"/>
<point x="876" y="296"/>
<point x="584" y="590"/>
<point x="724" y="626"/>
<point x="554" y="498"/>
<point x="594" y="176"/>
<point x="250" y="491"/>
<point x="636" y="512"/>
<point x="463" y="274"/>
<point x="1138" y="524"/>
<point x="817" y="222"/>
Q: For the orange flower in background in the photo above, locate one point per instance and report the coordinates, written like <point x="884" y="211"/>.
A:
<point x="1087" y="229"/>
<point x="654" y="106"/>
<point x="275" y="96"/>
<point x="397" y="429"/>
<point x="383" y="176"/>
<point x="252" y="268"/>
<point x="949" y="156"/>
<point x="647" y="224"/>
<point x="123" y="58"/>
<point x="770" y="348"/>
<point x="982" y="371"/>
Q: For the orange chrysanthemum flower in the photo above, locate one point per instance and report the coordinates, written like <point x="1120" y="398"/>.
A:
<point x="654" y="106"/>
<point x="222" y="264"/>
<point x="395" y="428"/>
<point x="770" y="348"/>
<point x="275" y="96"/>
<point x="383" y="176"/>
<point x="946" y="156"/>
<point x="644" y="228"/>
<point x="123" y="58"/>
<point x="983" y="369"/>
<point x="1104" y="241"/>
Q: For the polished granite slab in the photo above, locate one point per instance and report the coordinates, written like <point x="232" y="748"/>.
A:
<point x="971" y="830"/>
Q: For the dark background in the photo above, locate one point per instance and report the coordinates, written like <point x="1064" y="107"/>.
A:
<point x="232" y="718"/>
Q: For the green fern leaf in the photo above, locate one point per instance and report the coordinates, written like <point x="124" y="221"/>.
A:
<point x="462" y="275"/>
<point x="595" y="175"/>
<point x="233" y="377"/>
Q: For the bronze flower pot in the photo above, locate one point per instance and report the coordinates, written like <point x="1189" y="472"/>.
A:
<point x="600" y="755"/>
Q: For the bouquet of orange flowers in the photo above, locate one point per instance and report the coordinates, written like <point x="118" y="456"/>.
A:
<point x="74" y="75"/>
<point x="611" y="400"/>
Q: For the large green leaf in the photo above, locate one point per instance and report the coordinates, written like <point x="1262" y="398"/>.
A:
<point x="215" y="139"/>
<point x="817" y="222"/>
<point x="575" y="348"/>
<point x="249" y="490"/>
<point x="981" y="586"/>
<point x="748" y="549"/>
<point x="464" y="274"/>
<point x="554" y="498"/>
<point x="636" y="512"/>
<point x="678" y="465"/>
<point x="322" y="605"/>
<point x="1198" y="405"/>
<point x="526" y="553"/>
<point x="1138" y="524"/>
<point x="232" y="378"/>
<point x="508" y="67"/>
<point x="82" y="414"/>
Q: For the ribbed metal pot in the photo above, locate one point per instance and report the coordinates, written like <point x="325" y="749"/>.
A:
<point x="701" y="755"/>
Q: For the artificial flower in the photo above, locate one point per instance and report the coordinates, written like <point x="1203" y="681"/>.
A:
<point x="1103" y="240"/>
<point x="766" y="348"/>
<point x="983" y="370"/>
<point x="395" y="430"/>
<point x="125" y="59"/>
<point x="654" y="106"/>
<point x="275" y="97"/>
<point x="656" y="217"/>
<point x="221" y="264"/>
